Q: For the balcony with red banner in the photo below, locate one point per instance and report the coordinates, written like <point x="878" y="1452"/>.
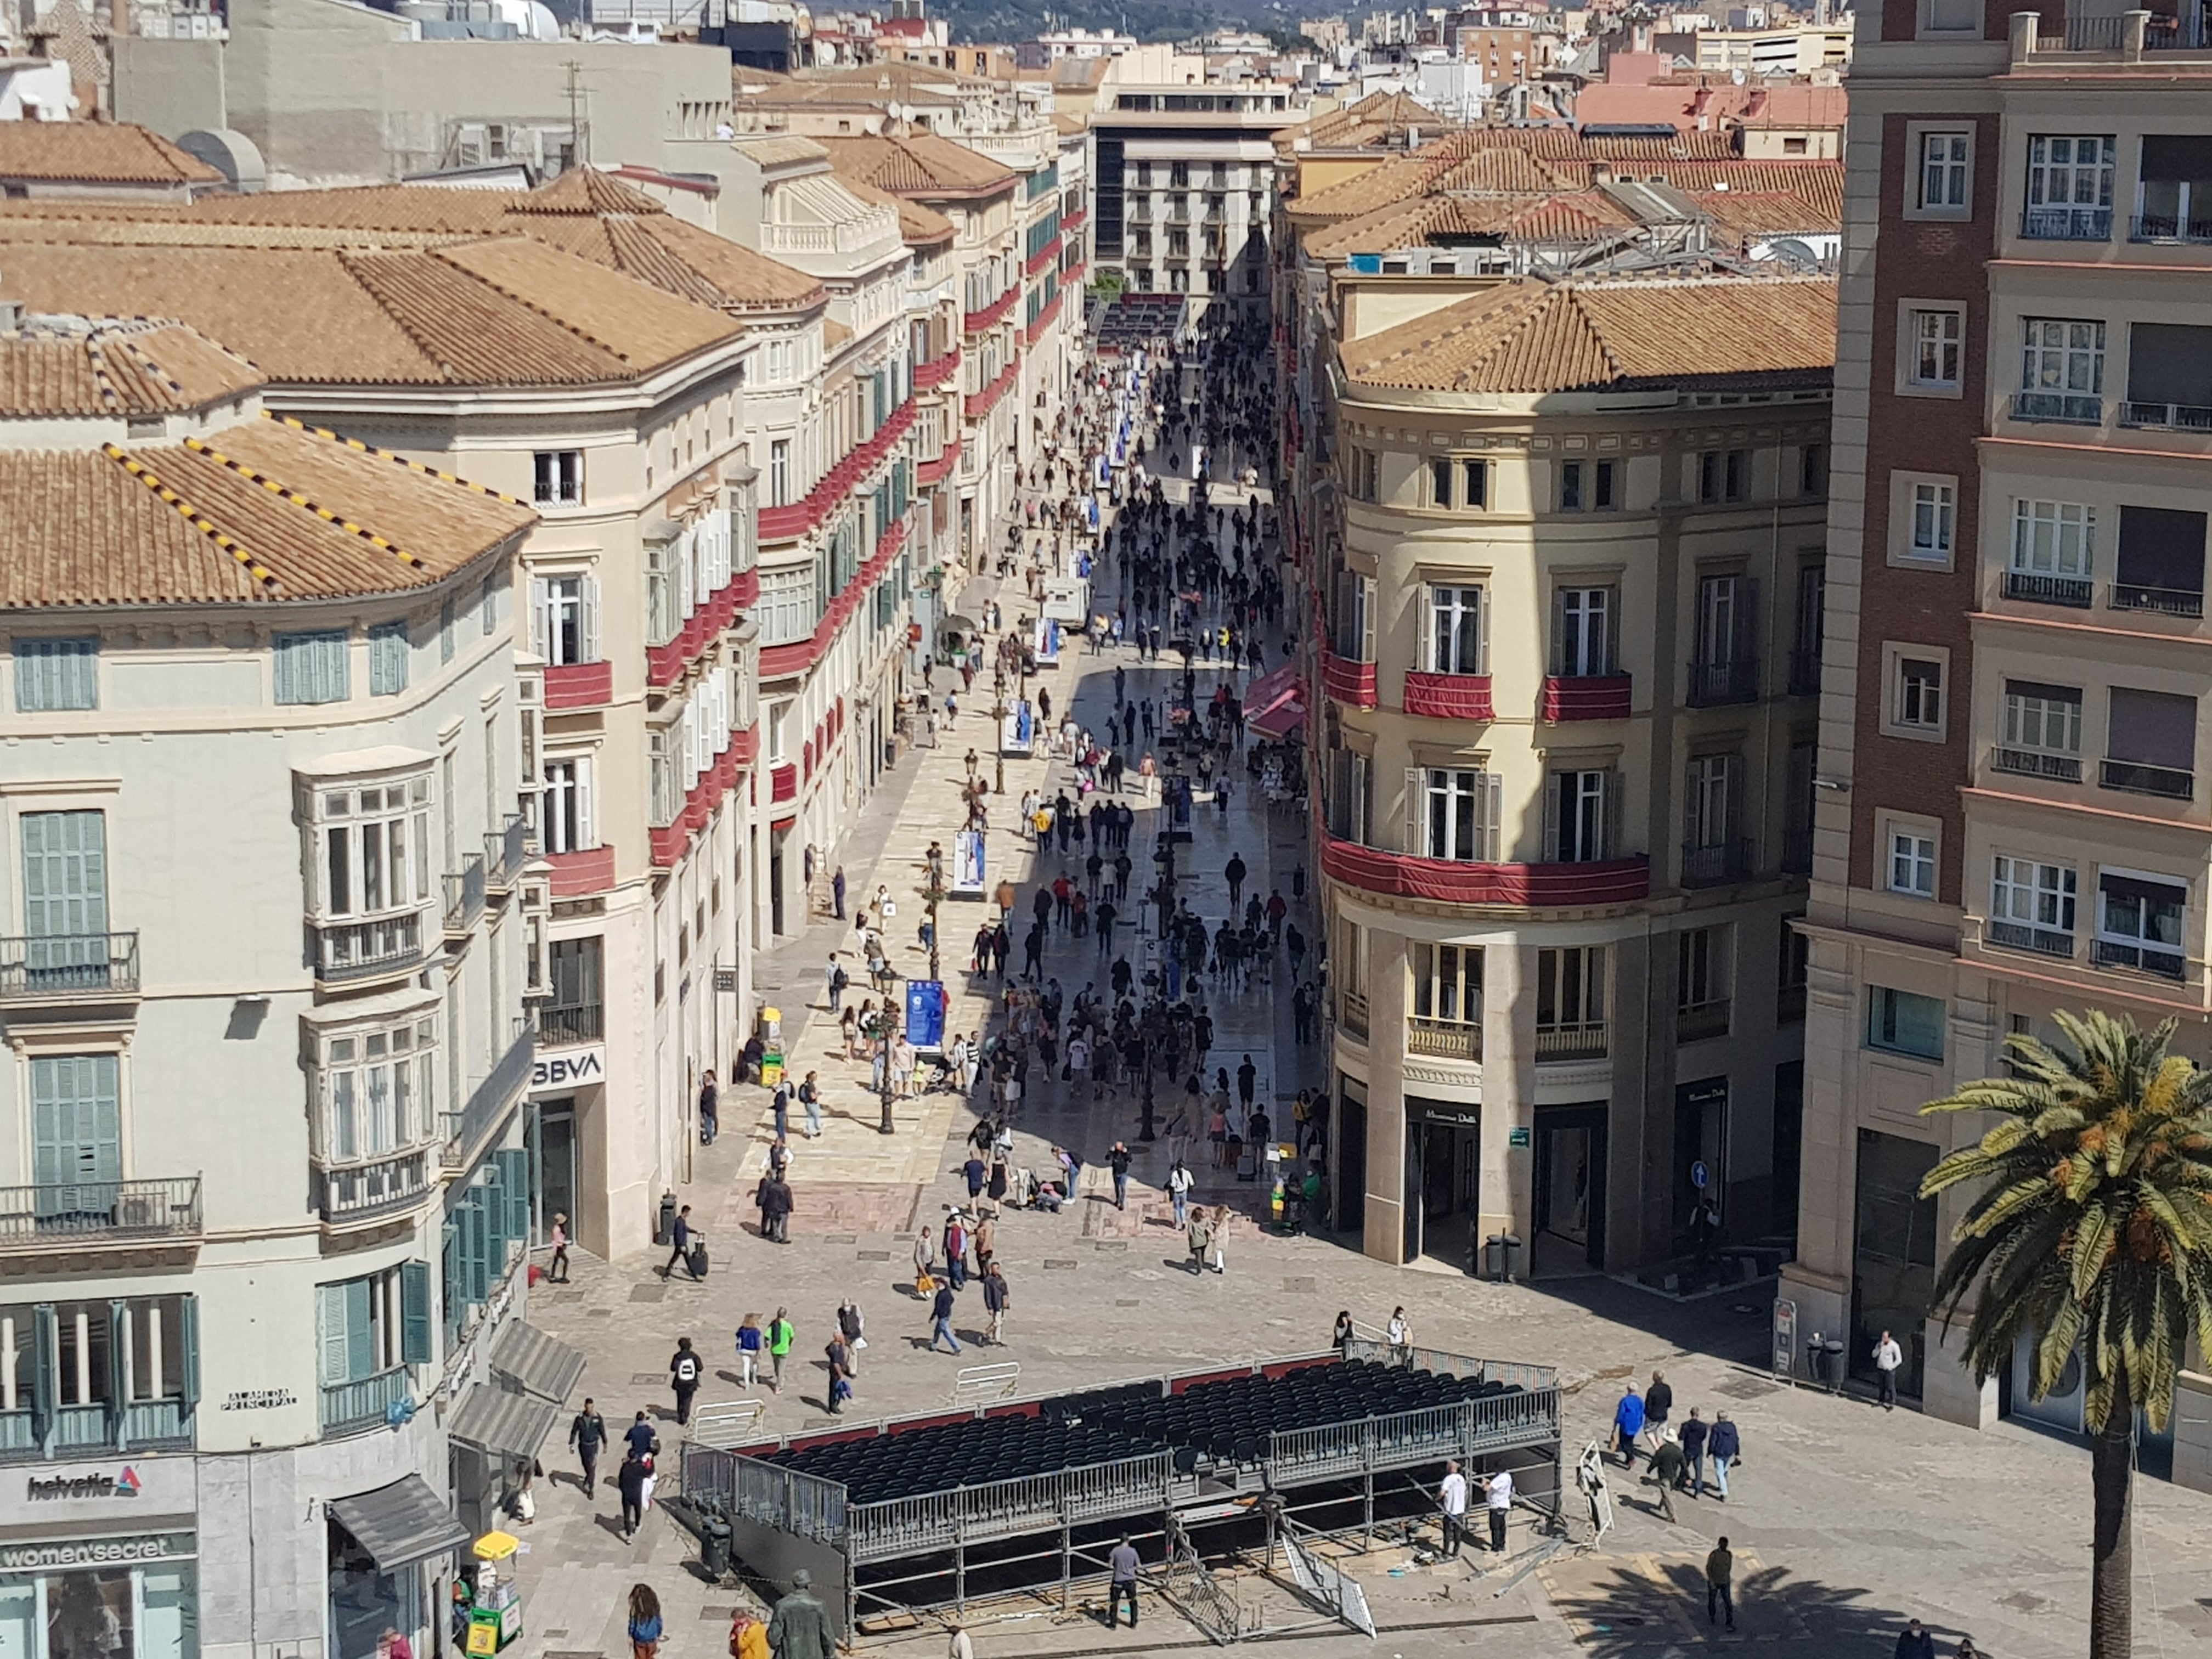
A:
<point x="1585" y="697"/>
<point x="980" y="404"/>
<point x="1449" y="696"/>
<point x="579" y="685"/>
<point x="1446" y="881"/>
<point x="1346" y="681"/>
<point x="782" y="662"/>
<point x="975" y="322"/>
<point x="576" y="875"/>
<point x="795" y="519"/>
<point x="928" y="376"/>
<point x="1035" y="331"/>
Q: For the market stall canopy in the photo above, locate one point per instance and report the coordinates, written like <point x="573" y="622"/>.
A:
<point x="501" y="1424"/>
<point x="536" y="1363"/>
<point x="400" y="1524"/>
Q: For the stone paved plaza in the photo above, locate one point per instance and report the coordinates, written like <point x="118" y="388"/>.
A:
<point x="1845" y="1519"/>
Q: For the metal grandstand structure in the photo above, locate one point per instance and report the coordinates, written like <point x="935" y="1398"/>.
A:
<point x="1216" y="1490"/>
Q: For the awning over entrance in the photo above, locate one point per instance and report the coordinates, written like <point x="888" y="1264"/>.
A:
<point x="502" y="1426"/>
<point x="534" y="1362"/>
<point x="1275" y="703"/>
<point x="399" y="1524"/>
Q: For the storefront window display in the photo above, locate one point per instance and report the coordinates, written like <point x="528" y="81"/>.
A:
<point x="98" y="1598"/>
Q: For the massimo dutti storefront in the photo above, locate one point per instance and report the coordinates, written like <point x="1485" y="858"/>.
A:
<point x="100" y="1560"/>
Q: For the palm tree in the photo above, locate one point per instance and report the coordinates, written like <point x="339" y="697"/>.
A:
<point x="2091" y="1231"/>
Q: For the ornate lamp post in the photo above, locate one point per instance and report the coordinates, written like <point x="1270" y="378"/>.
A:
<point x="933" y="895"/>
<point x="890" y="1031"/>
<point x="998" y="714"/>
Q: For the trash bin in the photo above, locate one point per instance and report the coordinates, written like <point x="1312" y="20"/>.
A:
<point x="713" y="1545"/>
<point x="667" y="1219"/>
<point x="1493" y="1256"/>
<point x="1832" y="1356"/>
<point x="1512" y="1268"/>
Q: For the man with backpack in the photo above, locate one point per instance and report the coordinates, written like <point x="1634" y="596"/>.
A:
<point x="684" y="1371"/>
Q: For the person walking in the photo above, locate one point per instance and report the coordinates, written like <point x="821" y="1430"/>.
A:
<point x="1628" y="1423"/>
<point x="780" y="1105"/>
<point x="1220" y="1236"/>
<point x="1722" y="1448"/>
<point x="684" y="1373"/>
<point x="996" y="1303"/>
<point x="644" y="1625"/>
<point x="639" y="1440"/>
<point x="1180" y="1181"/>
<point x="1118" y="1160"/>
<point x="1398" y="1332"/>
<point x="1121" y="1570"/>
<point x="557" y="1270"/>
<point x="630" y="1480"/>
<point x="1887" y="1357"/>
<point x="1498" y="1497"/>
<point x="1201" y="1238"/>
<point x="799" y="1628"/>
<point x="854" y="1328"/>
<point x="956" y="1249"/>
<point x="1720" y="1569"/>
<point x="940" y="1319"/>
<point x="1235" y="872"/>
<point x="709" y="1108"/>
<point x="1658" y="1406"/>
<point x="837" y="892"/>
<point x="984" y="1240"/>
<point x="1667" y="1467"/>
<point x="750" y="1347"/>
<point x="810" y="1096"/>
<point x="1915" y="1641"/>
<point x="679" y="1237"/>
<point x="776" y="1201"/>
<point x="587" y="1437"/>
<point x="780" y="1339"/>
<point x="838" y="1354"/>
<point x="1694" y="1432"/>
<point x="1247" y="1076"/>
<point x="1451" y="1497"/>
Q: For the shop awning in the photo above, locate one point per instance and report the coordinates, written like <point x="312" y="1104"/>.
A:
<point x="400" y="1524"/>
<point x="534" y="1362"/>
<point x="502" y="1426"/>
<point x="1282" y="717"/>
<point x="1275" y="703"/>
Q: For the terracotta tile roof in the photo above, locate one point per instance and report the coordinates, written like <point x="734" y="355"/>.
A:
<point x="72" y="367"/>
<point x="509" y="311"/>
<point x="97" y="153"/>
<point x="918" y="164"/>
<point x="1769" y="212"/>
<point x="626" y="230"/>
<point x="1535" y="336"/>
<point x="1375" y="119"/>
<point x="259" y="512"/>
<point x="779" y="149"/>
<point x="1557" y="217"/>
<point x="586" y="190"/>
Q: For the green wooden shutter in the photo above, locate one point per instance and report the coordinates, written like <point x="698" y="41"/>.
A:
<point x="415" y="1312"/>
<point x="476" y="1279"/>
<point x="450" y="1286"/>
<point x="330" y="1333"/>
<point x="77" y="1132"/>
<point x="360" y="1342"/>
<point x="387" y="659"/>
<point x="513" y="1164"/>
<point x="119" y="1378"/>
<point x="491" y="1194"/>
<point x="56" y="674"/>
<point x="188" y="1345"/>
<point x="46" y="1382"/>
<point x="64" y="874"/>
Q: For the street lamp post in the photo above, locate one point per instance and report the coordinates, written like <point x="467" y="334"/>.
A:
<point x="883" y="1049"/>
<point x="933" y="895"/>
<point x="998" y="714"/>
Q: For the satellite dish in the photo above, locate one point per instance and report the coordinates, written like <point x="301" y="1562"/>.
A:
<point x="1736" y="75"/>
<point x="1793" y="252"/>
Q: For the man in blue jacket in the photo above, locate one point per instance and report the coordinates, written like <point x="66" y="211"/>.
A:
<point x="1627" y="1424"/>
<point x="1722" y="1448"/>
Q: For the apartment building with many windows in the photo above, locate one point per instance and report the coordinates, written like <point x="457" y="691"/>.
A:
<point x="2013" y="818"/>
<point x="618" y="409"/>
<point x="1565" y="545"/>
<point x="265" y="1182"/>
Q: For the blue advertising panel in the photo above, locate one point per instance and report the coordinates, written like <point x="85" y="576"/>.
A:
<point x="924" y="1013"/>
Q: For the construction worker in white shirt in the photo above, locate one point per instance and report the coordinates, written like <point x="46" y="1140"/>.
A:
<point x="1498" y="1493"/>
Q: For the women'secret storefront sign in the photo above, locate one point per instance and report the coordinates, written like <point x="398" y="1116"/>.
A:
<point x="98" y="1551"/>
